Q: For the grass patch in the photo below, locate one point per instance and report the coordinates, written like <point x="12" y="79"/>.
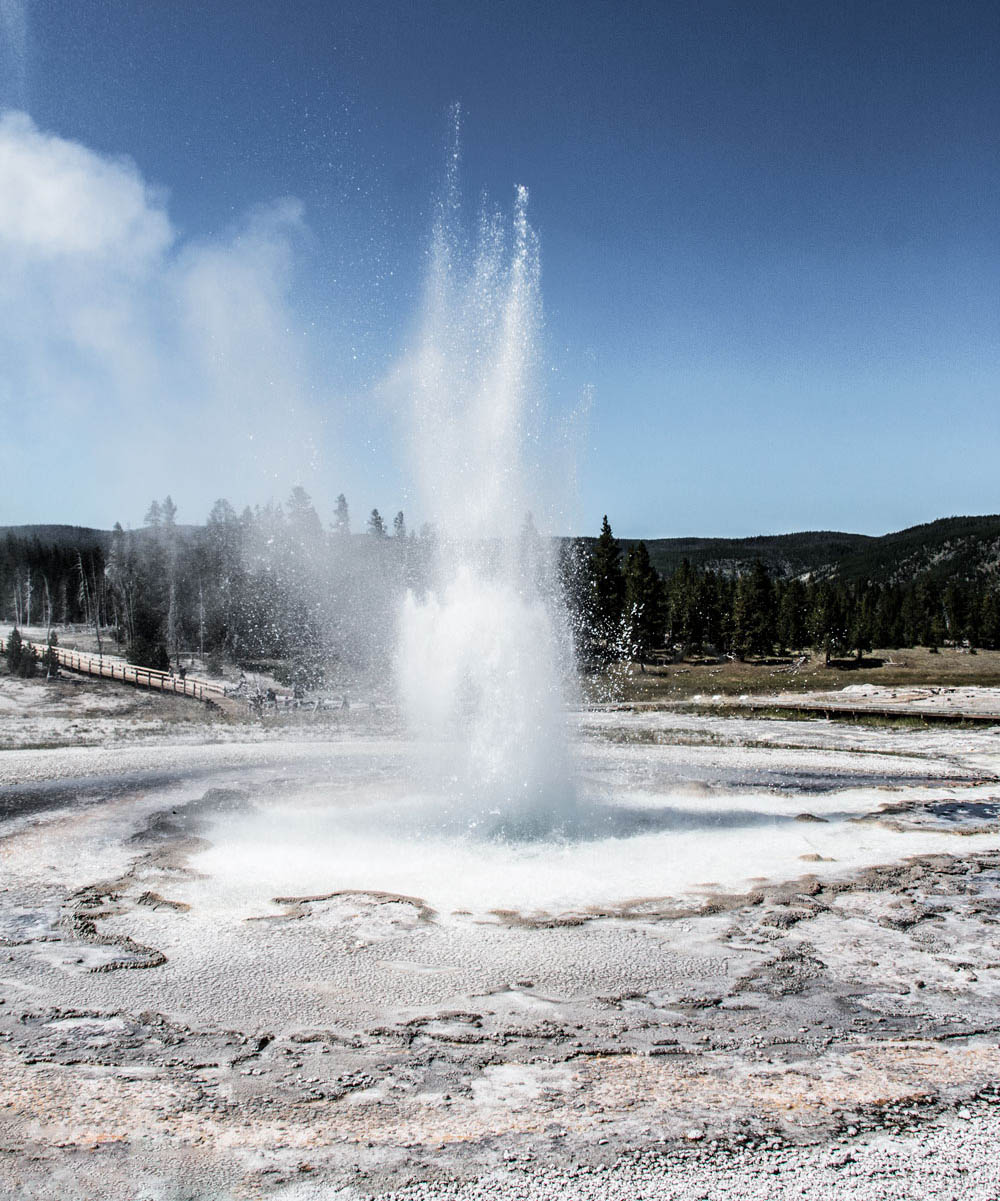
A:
<point x="902" y="721"/>
<point x="685" y="680"/>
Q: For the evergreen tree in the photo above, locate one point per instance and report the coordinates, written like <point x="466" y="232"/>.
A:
<point x="686" y="615"/>
<point x="914" y="622"/>
<point x="376" y="526"/>
<point x="15" y="649"/>
<point x="714" y="610"/>
<point x="607" y="580"/>
<point x="576" y="589"/>
<point x="826" y="621"/>
<point x="886" y="623"/>
<point x="341" y="517"/>
<point x="146" y="648"/>
<point x="223" y="514"/>
<point x="793" y="612"/>
<point x="399" y="525"/>
<point x="753" y="613"/>
<point x="605" y="607"/>
<point x="50" y="660"/>
<point x="860" y="621"/>
<point x="956" y="613"/>
<point x="644" y="603"/>
<point x="989" y="619"/>
<point x="21" y="659"/>
<point x="303" y="521"/>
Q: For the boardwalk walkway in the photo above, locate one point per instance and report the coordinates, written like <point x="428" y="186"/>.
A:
<point x="110" y="667"/>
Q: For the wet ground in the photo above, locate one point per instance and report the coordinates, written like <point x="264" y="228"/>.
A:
<point x="236" y="970"/>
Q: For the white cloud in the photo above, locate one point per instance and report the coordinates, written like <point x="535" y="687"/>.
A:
<point x="60" y="200"/>
<point x="138" y="362"/>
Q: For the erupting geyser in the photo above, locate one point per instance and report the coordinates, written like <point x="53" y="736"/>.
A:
<point x="483" y="656"/>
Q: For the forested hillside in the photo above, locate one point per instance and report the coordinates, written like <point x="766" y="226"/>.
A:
<point x="925" y="586"/>
<point x="270" y="584"/>
<point x="276" y="585"/>
<point x="65" y="537"/>
<point x="951" y="548"/>
<point x="781" y="554"/>
<point x="962" y="546"/>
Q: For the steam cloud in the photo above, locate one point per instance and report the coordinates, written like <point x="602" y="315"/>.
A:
<point x="177" y="357"/>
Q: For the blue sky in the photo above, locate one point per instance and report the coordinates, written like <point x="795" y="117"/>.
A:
<point x="770" y="250"/>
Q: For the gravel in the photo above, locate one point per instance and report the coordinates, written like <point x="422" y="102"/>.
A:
<point x="949" y="1160"/>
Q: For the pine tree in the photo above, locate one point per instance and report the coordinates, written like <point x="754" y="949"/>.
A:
<point x="644" y="603"/>
<point x="376" y="526"/>
<point x="21" y="659"/>
<point x="575" y="586"/>
<point x="753" y="613"/>
<point x="989" y="619"/>
<point x="50" y="660"/>
<point x="713" y="611"/>
<point x="607" y="588"/>
<point x="860" y="621"/>
<point x="303" y="521"/>
<point x="342" y="517"/>
<point x="826" y="621"/>
<point x="686" y="618"/>
<point x="793" y="610"/>
<point x="14" y="651"/>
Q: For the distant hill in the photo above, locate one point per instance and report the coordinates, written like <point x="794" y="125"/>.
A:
<point x="74" y="537"/>
<point x="952" y="547"/>
<point x="962" y="547"/>
<point x="80" y="537"/>
<point x="783" y="554"/>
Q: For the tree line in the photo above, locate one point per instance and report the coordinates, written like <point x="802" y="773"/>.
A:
<point x="275" y="586"/>
<point x="625" y="609"/>
<point x="47" y="584"/>
<point x="268" y="585"/>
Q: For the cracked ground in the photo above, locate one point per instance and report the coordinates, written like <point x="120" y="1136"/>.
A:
<point x="166" y="1032"/>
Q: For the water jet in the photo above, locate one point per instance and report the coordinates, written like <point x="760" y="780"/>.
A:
<point x="484" y="656"/>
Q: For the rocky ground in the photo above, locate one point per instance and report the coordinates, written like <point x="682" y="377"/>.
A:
<point x="970" y="703"/>
<point x="831" y="1031"/>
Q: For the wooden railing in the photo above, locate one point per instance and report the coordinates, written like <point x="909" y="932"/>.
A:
<point x="112" y="668"/>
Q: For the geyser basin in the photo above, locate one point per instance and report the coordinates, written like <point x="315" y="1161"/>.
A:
<point x="339" y="887"/>
<point x="298" y="946"/>
<point x="653" y="822"/>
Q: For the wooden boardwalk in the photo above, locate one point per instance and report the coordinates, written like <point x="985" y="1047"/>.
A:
<point x="108" y="667"/>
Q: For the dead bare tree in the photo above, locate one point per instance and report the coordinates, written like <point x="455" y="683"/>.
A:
<point x="17" y="599"/>
<point x="47" y="610"/>
<point x="91" y="596"/>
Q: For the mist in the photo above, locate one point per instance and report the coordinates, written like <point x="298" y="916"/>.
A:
<point x="181" y="359"/>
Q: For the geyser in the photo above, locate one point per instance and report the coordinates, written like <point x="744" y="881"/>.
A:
<point x="483" y="655"/>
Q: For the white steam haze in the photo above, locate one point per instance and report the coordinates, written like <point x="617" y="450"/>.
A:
<point x="179" y="357"/>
